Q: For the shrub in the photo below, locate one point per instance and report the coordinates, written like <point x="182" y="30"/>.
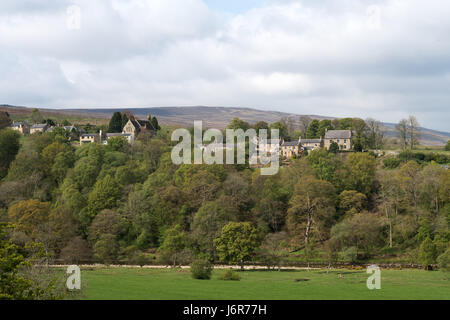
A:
<point x="201" y="269"/>
<point x="427" y="252"/>
<point x="444" y="261"/>
<point x="230" y="275"/>
<point x="391" y="163"/>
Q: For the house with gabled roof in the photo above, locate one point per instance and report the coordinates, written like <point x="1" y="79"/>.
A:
<point x="22" y="127"/>
<point x="134" y="126"/>
<point x="342" y="137"/>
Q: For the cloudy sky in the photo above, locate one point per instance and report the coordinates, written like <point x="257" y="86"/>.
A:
<point x="369" y="58"/>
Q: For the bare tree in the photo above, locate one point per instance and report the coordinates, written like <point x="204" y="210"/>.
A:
<point x="376" y="133"/>
<point x="304" y="122"/>
<point x="402" y="132"/>
<point x="413" y="131"/>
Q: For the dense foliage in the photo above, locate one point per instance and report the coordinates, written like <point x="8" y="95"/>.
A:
<point x="122" y="203"/>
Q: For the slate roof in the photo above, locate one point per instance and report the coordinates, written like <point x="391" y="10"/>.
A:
<point x="290" y="144"/>
<point x="338" y="134"/>
<point x="310" y="141"/>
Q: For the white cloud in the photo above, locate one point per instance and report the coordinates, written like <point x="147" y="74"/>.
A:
<point x="383" y="59"/>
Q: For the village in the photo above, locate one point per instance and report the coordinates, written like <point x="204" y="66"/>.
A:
<point x="333" y="140"/>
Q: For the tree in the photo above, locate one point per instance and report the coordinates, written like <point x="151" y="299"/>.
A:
<point x="207" y="225"/>
<point x="15" y="284"/>
<point x="427" y="252"/>
<point x="447" y="146"/>
<point x="36" y="116"/>
<point x="402" y="132"/>
<point x="313" y="130"/>
<point x="361" y="168"/>
<point x="324" y="164"/>
<point x="105" y="195"/>
<point x="362" y="231"/>
<point x="282" y="129"/>
<point x="324" y="125"/>
<point x="5" y="120"/>
<point x="237" y="123"/>
<point x="334" y="147"/>
<point x="124" y="119"/>
<point x="30" y="217"/>
<point x="311" y="207"/>
<point x="360" y="133"/>
<point x="261" y="125"/>
<point x="444" y="261"/>
<point x="174" y="244"/>
<point x="351" y="201"/>
<point x="375" y="134"/>
<point x="106" y="248"/>
<point x="413" y="132"/>
<point x="115" y="124"/>
<point x="237" y="242"/>
<point x="304" y="122"/>
<point x="155" y="124"/>
<point x="9" y="146"/>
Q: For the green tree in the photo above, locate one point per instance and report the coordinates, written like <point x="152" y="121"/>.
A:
<point x="105" y="195"/>
<point x="444" y="261"/>
<point x="5" y="120"/>
<point x="447" y="146"/>
<point x="324" y="125"/>
<point x="361" y="168"/>
<point x="155" y="124"/>
<point x="334" y="147"/>
<point x="282" y="129"/>
<point x="237" y="243"/>
<point x="207" y="225"/>
<point x="174" y="244"/>
<point x="106" y="249"/>
<point x="427" y="252"/>
<point x="9" y="146"/>
<point x="14" y="283"/>
<point x="313" y="130"/>
<point x="115" y="124"/>
<point x="351" y="201"/>
<point x="237" y="123"/>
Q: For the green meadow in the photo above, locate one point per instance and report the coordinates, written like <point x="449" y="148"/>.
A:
<point x="155" y="284"/>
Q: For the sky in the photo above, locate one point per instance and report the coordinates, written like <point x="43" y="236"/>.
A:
<point x="384" y="59"/>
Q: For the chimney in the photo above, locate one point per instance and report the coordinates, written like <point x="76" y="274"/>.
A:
<point x="100" y="136"/>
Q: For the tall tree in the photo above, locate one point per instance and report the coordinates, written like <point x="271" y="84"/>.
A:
<point x="402" y="132"/>
<point x="9" y="146"/>
<point x="115" y="124"/>
<point x="375" y="134"/>
<point x="313" y="130"/>
<point x="311" y="207"/>
<point x="413" y="132"/>
<point x="5" y="120"/>
<point x="304" y="122"/>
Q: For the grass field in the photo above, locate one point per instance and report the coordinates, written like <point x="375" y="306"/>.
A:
<point x="125" y="283"/>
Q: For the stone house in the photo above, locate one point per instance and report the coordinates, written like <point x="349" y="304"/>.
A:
<point x="22" y="127"/>
<point x="342" y="137"/>
<point x="38" y="128"/>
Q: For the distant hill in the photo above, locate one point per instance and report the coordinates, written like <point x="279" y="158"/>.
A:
<point x="212" y="117"/>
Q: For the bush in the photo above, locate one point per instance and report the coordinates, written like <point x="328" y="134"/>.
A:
<point x="201" y="269"/>
<point x="230" y="275"/>
<point x="444" y="261"/>
<point x="391" y="163"/>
